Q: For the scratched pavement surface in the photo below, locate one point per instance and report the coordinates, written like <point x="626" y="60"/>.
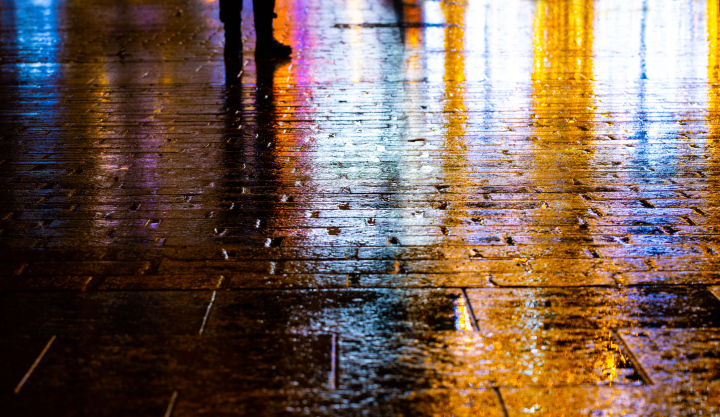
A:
<point x="435" y="208"/>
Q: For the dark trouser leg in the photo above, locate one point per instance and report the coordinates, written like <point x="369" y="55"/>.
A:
<point x="230" y="16"/>
<point x="264" y="11"/>
<point x="267" y="46"/>
<point x="230" y="11"/>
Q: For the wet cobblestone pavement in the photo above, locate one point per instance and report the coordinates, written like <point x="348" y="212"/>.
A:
<point x="466" y="207"/>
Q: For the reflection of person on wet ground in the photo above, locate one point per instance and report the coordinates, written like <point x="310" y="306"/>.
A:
<point x="248" y="155"/>
<point x="264" y="12"/>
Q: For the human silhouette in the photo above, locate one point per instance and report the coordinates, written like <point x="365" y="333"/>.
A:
<point x="264" y="12"/>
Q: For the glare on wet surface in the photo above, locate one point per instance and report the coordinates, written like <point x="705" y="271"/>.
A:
<point x="434" y="208"/>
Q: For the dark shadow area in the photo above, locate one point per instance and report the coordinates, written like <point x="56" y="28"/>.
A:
<point x="264" y="12"/>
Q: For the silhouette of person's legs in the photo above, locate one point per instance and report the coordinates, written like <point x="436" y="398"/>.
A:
<point x="230" y="16"/>
<point x="266" y="44"/>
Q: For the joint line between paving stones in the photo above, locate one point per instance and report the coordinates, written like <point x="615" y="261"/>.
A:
<point x="171" y="405"/>
<point x="636" y="363"/>
<point x="715" y="291"/>
<point x="499" y="397"/>
<point x="207" y="312"/>
<point x="473" y="320"/>
<point x="86" y="285"/>
<point x="34" y="365"/>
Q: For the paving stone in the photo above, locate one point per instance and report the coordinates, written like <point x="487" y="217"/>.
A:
<point x="160" y="282"/>
<point x="420" y="402"/>
<point x="81" y="404"/>
<point x="662" y="400"/>
<point x="512" y="358"/>
<point x="669" y="278"/>
<point x="155" y="364"/>
<point x="358" y="312"/>
<point x="102" y="313"/>
<point x="715" y="291"/>
<point x="677" y="356"/>
<point x="606" y="308"/>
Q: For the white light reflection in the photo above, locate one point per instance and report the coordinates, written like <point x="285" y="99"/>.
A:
<point x="649" y="49"/>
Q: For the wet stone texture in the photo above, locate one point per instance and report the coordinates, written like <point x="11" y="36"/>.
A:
<point x="435" y="208"/>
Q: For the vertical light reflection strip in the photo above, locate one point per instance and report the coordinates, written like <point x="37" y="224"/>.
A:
<point x="454" y="111"/>
<point x="412" y="13"/>
<point x="454" y="157"/>
<point x="295" y="97"/>
<point x="617" y="40"/>
<point x="415" y="90"/>
<point x="356" y="41"/>
<point x="415" y="65"/>
<point x="562" y="89"/>
<point x="38" y="41"/>
<point x="454" y="108"/>
<point x="305" y="43"/>
<point x="674" y="62"/>
<point x="713" y="94"/>
<point x="713" y="69"/>
<point x="415" y="104"/>
<point x="462" y="316"/>
<point x="433" y="41"/>
<point x="562" y="103"/>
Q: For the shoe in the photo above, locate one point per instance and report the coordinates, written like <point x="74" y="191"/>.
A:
<point x="272" y="49"/>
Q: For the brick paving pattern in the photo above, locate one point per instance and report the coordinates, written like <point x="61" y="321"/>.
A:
<point x="466" y="207"/>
